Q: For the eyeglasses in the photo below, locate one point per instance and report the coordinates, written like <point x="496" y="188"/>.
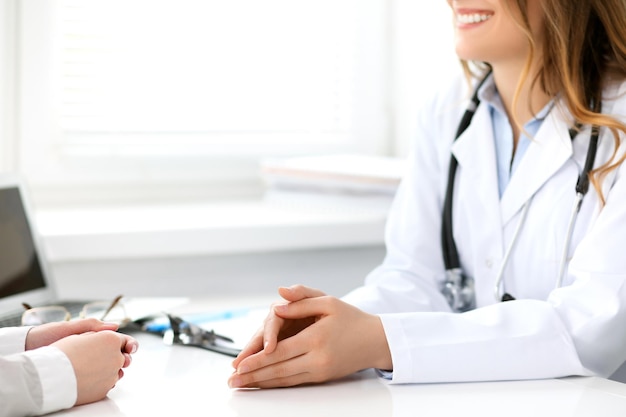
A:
<point x="111" y="311"/>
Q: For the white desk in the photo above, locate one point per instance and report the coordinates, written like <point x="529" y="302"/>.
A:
<point x="185" y="381"/>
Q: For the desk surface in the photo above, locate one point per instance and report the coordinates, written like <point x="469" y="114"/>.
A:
<point x="177" y="380"/>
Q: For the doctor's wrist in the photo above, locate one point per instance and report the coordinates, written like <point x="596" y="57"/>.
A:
<point x="379" y="346"/>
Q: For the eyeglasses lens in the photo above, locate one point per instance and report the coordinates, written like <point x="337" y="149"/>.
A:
<point x="41" y="315"/>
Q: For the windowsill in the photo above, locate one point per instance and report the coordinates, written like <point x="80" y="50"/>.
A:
<point x="279" y="222"/>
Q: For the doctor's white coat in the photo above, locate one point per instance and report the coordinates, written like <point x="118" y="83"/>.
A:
<point x="577" y="329"/>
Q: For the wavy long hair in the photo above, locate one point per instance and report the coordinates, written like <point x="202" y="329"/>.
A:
<point x="583" y="47"/>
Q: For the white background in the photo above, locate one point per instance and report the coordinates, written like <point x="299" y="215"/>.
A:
<point x="402" y="50"/>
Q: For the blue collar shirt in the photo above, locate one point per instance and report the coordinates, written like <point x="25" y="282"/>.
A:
<point x="507" y="161"/>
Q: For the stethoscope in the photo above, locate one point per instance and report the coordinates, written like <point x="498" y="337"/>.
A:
<point x="458" y="288"/>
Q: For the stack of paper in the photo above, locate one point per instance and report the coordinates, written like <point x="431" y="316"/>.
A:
<point x="344" y="173"/>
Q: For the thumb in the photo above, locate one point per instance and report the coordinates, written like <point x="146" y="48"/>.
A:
<point x="299" y="292"/>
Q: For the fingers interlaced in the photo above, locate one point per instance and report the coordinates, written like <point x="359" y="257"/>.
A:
<point x="292" y="371"/>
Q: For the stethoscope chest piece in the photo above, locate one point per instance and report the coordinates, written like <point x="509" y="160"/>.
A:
<point x="458" y="290"/>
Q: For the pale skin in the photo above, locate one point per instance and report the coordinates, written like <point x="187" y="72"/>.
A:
<point x="311" y="337"/>
<point x="503" y="45"/>
<point x="97" y="353"/>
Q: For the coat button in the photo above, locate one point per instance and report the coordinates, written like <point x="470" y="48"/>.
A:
<point x="489" y="263"/>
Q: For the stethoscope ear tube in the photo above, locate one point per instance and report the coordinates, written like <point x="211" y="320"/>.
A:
<point x="457" y="288"/>
<point x="582" y="186"/>
<point x="450" y="253"/>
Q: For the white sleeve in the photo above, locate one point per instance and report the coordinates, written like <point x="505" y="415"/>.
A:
<point x="578" y="329"/>
<point x="410" y="276"/>
<point x="13" y="339"/>
<point x="36" y="382"/>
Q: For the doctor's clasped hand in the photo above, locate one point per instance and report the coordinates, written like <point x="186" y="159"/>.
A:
<point x="310" y="338"/>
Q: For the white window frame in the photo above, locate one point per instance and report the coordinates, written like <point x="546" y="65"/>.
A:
<point x="8" y="104"/>
<point x="59" y="174"/>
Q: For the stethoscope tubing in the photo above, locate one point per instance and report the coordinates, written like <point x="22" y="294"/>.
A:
<point x="568" y="239"/>
<point x="450" y="252"/>
<point x="449" y="249"/>
<point x="498" y="291"/>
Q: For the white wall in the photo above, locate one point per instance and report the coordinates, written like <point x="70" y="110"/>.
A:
<point x="335" y="271"/>
<point x="326" y="241"/>
<point x="423" y="57"/>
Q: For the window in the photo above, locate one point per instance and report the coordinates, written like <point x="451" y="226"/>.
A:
<point x="145" y="96"/>
<point x="423" y="61"/>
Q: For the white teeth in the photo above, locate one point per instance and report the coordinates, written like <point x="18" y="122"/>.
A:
<point x="472" y="18"/>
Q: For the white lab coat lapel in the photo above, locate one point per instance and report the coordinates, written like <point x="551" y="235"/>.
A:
<point x="546" y="154"/>
<point x="475" y="152"/>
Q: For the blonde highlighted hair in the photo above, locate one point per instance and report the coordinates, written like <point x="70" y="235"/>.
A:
<point x="584" y="45"/>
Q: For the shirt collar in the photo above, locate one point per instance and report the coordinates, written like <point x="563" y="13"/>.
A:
<point x="488" y="93"/>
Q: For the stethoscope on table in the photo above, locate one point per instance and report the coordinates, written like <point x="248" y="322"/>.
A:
<point x="458" y="288"/>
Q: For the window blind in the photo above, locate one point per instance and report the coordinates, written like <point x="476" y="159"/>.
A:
<point x="194" y="92"/>
<point x="197" y="70"/>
